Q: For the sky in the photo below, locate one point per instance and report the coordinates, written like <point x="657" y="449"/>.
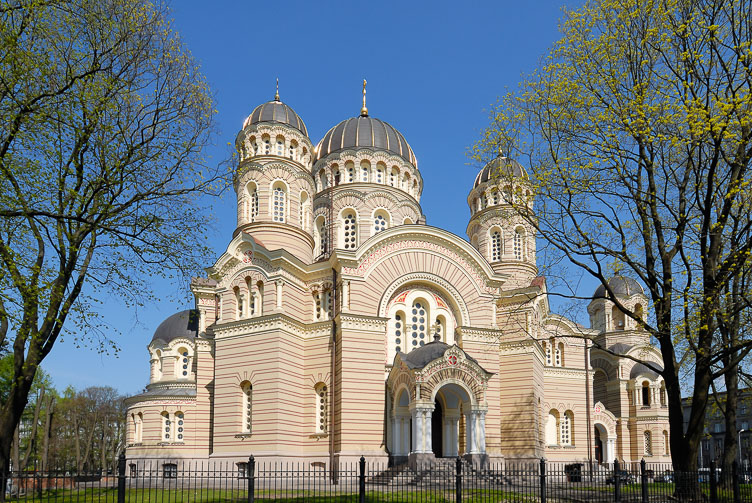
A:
<point x="434" y="69"/>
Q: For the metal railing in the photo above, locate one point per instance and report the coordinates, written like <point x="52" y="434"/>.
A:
<point x="450" y="479"/>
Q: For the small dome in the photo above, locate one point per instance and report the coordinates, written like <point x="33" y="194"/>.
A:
<point x="183" y="324"/>
<point x="644" y="370"/>
<point x="620" y="285"/>
<point x="422" y="356"/>
<point x="276" y="111"/>
<point x="500" y="166"/>
<point x="365" y="132"/>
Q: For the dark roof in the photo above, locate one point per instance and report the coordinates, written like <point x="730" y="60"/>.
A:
<point x="642" y="369"/>
<point x="620" y="348"/>
<point x="182" y="324"/>
<point x="499" y="168"/>
<point x="365" y="132"/>
<point x="276" y="111"/>
<point x="620" y="285"/>
<point x="422" y="356"/>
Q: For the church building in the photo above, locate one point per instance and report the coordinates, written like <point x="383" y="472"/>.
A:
<point x="338" y="324"/>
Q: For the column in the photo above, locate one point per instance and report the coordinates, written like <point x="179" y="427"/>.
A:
<point x="417" y="431"/>
<point x="455" y="436"/>
<point x="446" y="435"/>
<point x="428" y="444"/>
<point x="279" y="284"/>
<point x="610" y="450"/>
<point x="471" y="433"/>
<point x="405" y="425"/>
<point x="481" y="432"/>
<point x="396" y="437"/>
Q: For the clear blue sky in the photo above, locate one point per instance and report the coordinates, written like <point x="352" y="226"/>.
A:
<point x="433" y="70"/>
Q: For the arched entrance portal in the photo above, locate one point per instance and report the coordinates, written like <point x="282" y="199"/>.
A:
<point x="430" y="389"/>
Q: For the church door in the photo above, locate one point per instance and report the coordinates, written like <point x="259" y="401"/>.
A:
<point x="437" y="429"/>
<point x="598" y="446"/>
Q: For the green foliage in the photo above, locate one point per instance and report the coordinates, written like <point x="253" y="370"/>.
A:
<point x="101" y="171"/>
<point x="637" y="132"/>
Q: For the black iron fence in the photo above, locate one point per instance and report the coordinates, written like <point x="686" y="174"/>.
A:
<point x="445" y="480"/>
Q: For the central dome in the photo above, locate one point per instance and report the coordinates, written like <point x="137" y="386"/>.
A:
<point x="365" y="132"/>
<point x="278" y="112"/>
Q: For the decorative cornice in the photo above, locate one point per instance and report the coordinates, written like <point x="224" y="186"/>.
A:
<point x="359" y="322"/>
<point x="276" y="321"/>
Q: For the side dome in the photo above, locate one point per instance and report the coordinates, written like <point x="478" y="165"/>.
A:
<point x="620" y="285"/>
<point x="501" y="166"/>
<point x="365" y="132"/>
<point x="180" y="325"/>
<point x="276" y="111"/>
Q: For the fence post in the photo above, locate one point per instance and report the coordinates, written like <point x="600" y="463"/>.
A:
<point x="617" y="481"/>
<point x="458" y="480"/>
<point x="713" y="483"/>
<point x="735" y="481"/>
<point x="121" y="478"/>
<point x="362" y="481"/>
<point x="643" y="481"/>
<point x="543" y="480"/>
<point x="251" y="479"/>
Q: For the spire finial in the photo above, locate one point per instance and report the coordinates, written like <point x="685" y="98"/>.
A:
<point x="276" y="94"/>
<point x="364" y="110"/>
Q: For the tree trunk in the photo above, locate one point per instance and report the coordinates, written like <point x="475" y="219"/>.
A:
<point x="47" y="433"/>
<point x="730" y="445"/>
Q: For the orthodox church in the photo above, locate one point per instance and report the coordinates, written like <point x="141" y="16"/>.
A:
<point x="337" y="323"/>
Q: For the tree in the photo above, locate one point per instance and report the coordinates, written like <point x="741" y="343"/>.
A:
<point x="101" y="176"/>
<point x="637" y="131"/>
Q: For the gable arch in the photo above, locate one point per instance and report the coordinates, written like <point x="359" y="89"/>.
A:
<point x="448" y="291"/>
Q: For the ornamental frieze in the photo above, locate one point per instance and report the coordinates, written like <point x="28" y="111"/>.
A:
<point x="394" y="246"/>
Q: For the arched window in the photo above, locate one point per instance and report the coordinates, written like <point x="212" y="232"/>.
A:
<point x="646" y="394"/>
<point x="566" y="428"/>
<point x="441" y="328"/>
<point x="638" y="311"/>
<point x="321" y="407"/>
<point x="666" y="444"/>
<point x="182" y="368"/>
<point x="292" y="151"/>
<point x="279" y="202"/>
<point x="365" y="169"/>
<point x="166" y="427"/>
<point x="259" y="298"/>
<point x="552" y="427"/>
<point x="302" y="209"/>
<point x="322" y="235"/>
<point x="379" y="173"/>
<point x="419" y="321"/>
<point x="180" y="420"/>
<point x="483" y="202"/>
<point x="406" y="182"/>
<point x="617" y="317"/>
<point x="494" y="197"/>
<point x="253" y="202"/>
<point x="254" y="145"/>
<point x="317" y="311"/>
<point x="350" y="167"/>
<point x="507" y="195"/>
<point x="238" y="303"/>
<point x="267" y="146"/>
<point x="407" y="221"/>
<point x="560" y="354"/>
<point x="547" y="348"/>
<point x="519" y="235"/>
<point x="139" y="427"/>
<point x="415" y="188"/>
<point x="322" y="180"/>
<point x="648" y="444"/>
<point x="158" y="365"/>
<point x="336" y="175"/>
<point x="380" y="221"/>
<point x="246" y="414"/>
<point x="393" y="177"/>
<point x="663" y="394"/>
<point x="399" y="333"/>
<point x="280" y="146"/>
<point x="495" y="245"/>
<point x="349" y="230"/>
